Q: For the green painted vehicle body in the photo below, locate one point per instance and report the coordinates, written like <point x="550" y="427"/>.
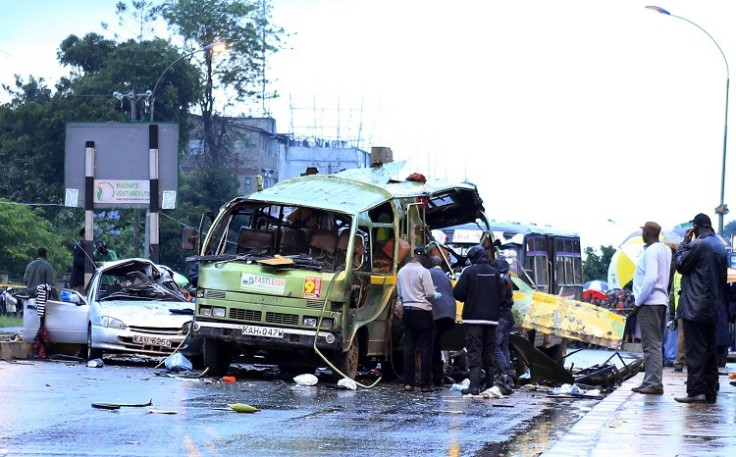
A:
<point x="307" y="268"/>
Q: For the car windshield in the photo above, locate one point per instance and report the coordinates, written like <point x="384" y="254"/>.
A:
<point x="135" y="281"/>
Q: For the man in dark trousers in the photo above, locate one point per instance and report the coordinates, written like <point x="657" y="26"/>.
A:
<point x="416" y="293"/>
<point x="480" y="288"/>
<point x="703" y="263"/>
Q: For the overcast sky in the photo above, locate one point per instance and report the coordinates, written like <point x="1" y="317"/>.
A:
<point x="588" y="115"/>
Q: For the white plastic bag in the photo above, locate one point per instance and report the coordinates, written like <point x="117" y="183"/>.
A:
<point x="347" y="383"/>
<point x="305" y="379"/>
<point x="460" y="386"/>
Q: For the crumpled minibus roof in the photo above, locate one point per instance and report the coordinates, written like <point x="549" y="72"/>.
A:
<point x="352" y="191"/>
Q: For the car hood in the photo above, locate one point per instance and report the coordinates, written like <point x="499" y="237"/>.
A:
<point x="148" y="314"/>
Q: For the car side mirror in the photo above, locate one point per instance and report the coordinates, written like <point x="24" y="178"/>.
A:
<point x="188" y="238"/>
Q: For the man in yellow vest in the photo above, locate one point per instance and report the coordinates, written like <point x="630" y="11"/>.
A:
<point x="676" y="324"/>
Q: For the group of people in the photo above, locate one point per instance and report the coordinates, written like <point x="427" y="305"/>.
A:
<point x="697" y="276"/>
<point x="428" y="303"/>
<point x="620" y="301"/>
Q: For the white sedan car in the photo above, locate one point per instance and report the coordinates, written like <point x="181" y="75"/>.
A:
<point x="131" y="306"/>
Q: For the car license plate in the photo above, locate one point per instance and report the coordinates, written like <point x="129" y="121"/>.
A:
<point x="268" y="332"/>
<point x="151" y="340"/>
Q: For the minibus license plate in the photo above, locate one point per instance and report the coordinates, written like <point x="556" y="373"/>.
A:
<point x="268" y="332"/>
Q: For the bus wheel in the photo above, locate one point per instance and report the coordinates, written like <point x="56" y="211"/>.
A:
<point x="347" y="362"/>
<point x="216" y="357"/>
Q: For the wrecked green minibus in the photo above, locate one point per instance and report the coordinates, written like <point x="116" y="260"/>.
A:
<point x="303" y="274"/>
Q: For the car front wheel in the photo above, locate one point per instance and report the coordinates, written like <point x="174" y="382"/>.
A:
<point x="92" y="353"/>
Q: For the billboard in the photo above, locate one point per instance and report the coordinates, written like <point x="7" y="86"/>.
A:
<point x="121" y="163"/>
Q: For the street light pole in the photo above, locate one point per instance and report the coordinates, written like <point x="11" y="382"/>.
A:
<point x="722" y="209"/>
<point x="215" y="45"/>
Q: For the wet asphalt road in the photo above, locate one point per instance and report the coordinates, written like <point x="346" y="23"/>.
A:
<point x="45" y="410"/>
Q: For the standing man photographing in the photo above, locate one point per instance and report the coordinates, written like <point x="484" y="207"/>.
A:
<point x="703" y="263"/>
<point x="651" y="283"/>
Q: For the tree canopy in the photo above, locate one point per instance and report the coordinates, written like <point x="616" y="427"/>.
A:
<point x="33" y="123"/>
<point x="595" y="265"/>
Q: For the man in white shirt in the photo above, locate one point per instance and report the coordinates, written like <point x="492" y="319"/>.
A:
<point x="651" y="283"/>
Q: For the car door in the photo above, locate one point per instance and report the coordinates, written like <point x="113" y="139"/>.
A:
<point x="66" y="318"/>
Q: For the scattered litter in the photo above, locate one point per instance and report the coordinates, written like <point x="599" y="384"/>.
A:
<point x="228" y="379"/>
<point x="243" y="408"/>
<point x="732" y="375"/>
<point x="347" y="383"/>
<point x="177" y="362"/>
<point x="104" y="405"/>
<point x="566" y="389"/>
<point x="305" y="379"/>
<point x="160" y="411"/>
<point x="493" y="392"/>
<point x="460" y="386"/>
<point x="574" y="391"/>
<point x="95" y="363"/>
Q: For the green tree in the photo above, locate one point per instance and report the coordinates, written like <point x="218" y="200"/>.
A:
<point x="23" y="231"/>
<point x="595" y="265"/>
<point x="32" y="144"/>
<point x="729" y="230"/>
<point x="199" y="191"/>
<point x="89" y="54"/>
<point x="142" y="12"/>
<point x="245" y="27"/>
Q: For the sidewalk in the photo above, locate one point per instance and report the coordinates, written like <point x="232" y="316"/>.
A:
<point x="631" y="424"/>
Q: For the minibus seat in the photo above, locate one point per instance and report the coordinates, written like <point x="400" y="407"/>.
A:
<point x="249" y="239"/>
<point x="325" y="240"/>
<point x="293" y="241"/>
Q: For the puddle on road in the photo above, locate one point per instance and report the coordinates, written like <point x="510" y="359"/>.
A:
<point x="538" y="435"/>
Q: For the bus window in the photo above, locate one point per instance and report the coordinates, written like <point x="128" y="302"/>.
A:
<point x="578" y="269"/>
<point x="560" y="270"/>
<point x="569" y="277"/>
<point x="541" y="272"/>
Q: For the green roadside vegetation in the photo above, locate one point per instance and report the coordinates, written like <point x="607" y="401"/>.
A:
<point x="11" y="321"/>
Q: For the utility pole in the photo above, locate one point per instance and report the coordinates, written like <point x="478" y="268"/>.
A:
<point x="133" y="97"/>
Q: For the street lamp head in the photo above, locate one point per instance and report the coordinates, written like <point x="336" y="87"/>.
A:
<point x="658" y="9"/>
<point x="722" y="209"/>
<point x="217" y="46"/>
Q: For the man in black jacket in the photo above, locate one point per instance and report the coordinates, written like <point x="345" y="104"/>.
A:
<point x="704" y="266"/>
<point x="480" y="288"/>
